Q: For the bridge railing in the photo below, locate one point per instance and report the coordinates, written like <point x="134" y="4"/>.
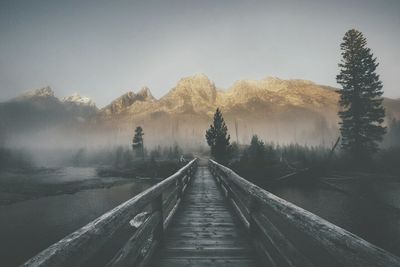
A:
<point x="286" y="235"/>
<point x="156" y="206"/>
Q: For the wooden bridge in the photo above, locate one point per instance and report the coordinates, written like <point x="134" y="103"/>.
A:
<point x="210" y="216"/>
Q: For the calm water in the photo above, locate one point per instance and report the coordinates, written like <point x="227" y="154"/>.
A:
<point x="371" y="210"/>
<point x="30" y="226"/>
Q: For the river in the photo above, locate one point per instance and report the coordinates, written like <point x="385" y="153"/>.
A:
<point x="28" y="227"/>
<point x="367" y="208"/>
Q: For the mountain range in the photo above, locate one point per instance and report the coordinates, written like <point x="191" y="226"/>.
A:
<point x="275" y="109"/>
<point x="41" y="109"/>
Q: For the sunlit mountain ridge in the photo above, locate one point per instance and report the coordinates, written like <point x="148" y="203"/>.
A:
<point x="277" y="110"/>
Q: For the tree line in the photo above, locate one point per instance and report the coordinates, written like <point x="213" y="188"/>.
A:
<point x="361" y="111"/>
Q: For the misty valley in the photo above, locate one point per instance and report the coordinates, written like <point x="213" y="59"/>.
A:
<point x="199" y="133"/>
<point x="48" y="191"/>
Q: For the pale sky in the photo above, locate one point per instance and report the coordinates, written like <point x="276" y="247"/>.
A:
<point x="102" y="49"/>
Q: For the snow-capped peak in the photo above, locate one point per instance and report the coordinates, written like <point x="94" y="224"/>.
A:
<point x="79" y="100"/>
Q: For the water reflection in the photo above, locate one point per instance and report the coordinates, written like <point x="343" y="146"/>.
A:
<point x="30" y="226"/>
<point x="371" y="210"/>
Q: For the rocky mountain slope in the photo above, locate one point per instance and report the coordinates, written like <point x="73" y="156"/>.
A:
<point x="124" y="102"/>
<point x="198" y="95"/>
<point x="275" y="109"/>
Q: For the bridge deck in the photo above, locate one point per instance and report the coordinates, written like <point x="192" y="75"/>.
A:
<point x="204" y="232"/>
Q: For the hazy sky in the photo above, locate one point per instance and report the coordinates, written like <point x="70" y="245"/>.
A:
<point x="102" y="49"/>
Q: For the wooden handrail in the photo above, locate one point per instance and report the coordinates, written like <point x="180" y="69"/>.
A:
<point x="78" y="247"/>
<point x="287" y="235"/>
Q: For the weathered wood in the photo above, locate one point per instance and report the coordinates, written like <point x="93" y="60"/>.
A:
<point x="207" y="262"/>
<point x="240" y="204"/>
<point x="346" y="248"/>
<point x="180" y="187"/>
<point x="171" y="214"/>
<point x="287" y="251"/>
<point x="264" y="254"/>
<point x="128" y="255"/>
<point x="78" y="247"/>
<point x="157" y="206"/>
<point x="197" y="228"/>
<point x="240" y="214"/>
<point x="170" y="202"/>
<point x="203" y="231"/>
<point x="147" y="259"/>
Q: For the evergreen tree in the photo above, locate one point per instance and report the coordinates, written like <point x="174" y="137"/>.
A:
<point x="137" y="142"/>
<point x="218" y="138"/>
<point x="256" y="151"/>
<point x="362" y="113"/>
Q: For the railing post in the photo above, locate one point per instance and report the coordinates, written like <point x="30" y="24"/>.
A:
<point x="157" y="205"/>
<point x="212" y="167"/>
<point x="180" y="186"/>
<point x="217" y="174"/>
<point x="190" y="172"/>
<point x="253" y="209"/>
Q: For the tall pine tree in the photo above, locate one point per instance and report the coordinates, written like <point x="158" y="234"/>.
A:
<point x="218" y="138"/>
<point x="362" y="113"/>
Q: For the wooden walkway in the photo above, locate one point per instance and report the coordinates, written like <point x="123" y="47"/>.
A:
<point x="189" y="222"/>
<point x="204" y="231"/>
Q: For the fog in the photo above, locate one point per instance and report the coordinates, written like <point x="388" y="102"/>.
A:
<point x="50" y="137"/>
<point x="55" y="145"/>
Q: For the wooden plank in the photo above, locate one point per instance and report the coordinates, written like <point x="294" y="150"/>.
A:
<point x="205" y="235"/>
<point x="240" y="214"/>
<point x="196" y="223"/>
<point x="345" y="247"/>
<point x="147" y="259"/>
<point x="170" y="198"/>
<point x="289" y="254"/>
<point x="131" y="251"/>
<point x="204" y="242"/>
<point x="206" y="252"/>
<point x="171" y="214"/>
<point x="204" y="230"/>
<point x="76" y="248"/>
<point x="264" y="254"/>
<point x="219" y="262"/>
